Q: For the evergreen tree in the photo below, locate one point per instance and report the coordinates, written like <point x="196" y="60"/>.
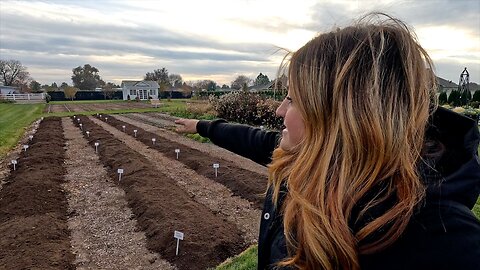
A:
<point x="476" y="96"/>
<point x="442" y="98"/>
<point x="454" y="98"/>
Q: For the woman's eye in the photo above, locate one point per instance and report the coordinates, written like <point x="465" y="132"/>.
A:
<point x="289" y="100"/>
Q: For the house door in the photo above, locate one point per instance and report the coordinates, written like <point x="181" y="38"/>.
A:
<point x="143" y="94"/>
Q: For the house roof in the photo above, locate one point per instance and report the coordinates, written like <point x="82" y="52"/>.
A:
<point x="445" y="83"/>
<point x="130" y="84"/>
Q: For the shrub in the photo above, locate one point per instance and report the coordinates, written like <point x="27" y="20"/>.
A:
<point x="266" y="114"/>
<point x="442" y="98"/>
<point x="247" y="108"/>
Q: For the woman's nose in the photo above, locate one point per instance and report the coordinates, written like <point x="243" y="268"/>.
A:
<point x="280" y="110"/>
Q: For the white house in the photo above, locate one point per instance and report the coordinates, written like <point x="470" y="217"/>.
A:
<point x="141" y="89"/>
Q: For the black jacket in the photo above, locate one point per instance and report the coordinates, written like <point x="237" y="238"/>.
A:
<point x="442" y="234"/>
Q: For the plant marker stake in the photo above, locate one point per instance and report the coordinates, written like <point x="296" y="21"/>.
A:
<point x="119" y="171"/>
<point x="177" y="151"/>
<point x="81" y="126"/>
<point x="30" y="137"/>
<point x="78" y="120"/>
<point x="100" y="116"/>
<point x="135" y="131"/>
<point x="179" y="236"/>
<point x="88" y="133"/>
<point x="25" y="146"/>
<point x="96" y="145"/>
<point x="153" y="140"/>
<point x="14" y="162"/>
<point x="74" y="117"/>
<point x="216" y="166"/>
<point x="123" y="128"/>
<point x="106" y="118"/>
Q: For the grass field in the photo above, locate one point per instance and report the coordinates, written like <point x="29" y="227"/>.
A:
<point x="14" y="118"/>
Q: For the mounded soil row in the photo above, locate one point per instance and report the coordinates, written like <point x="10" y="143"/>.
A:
<point x="104" y="233"/>
<point x="161" y="207"/>
<point x="33" y="205"/>
<point x="244" y="183"/>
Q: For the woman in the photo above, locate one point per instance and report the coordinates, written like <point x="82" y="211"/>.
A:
<point x="368" y="173"/>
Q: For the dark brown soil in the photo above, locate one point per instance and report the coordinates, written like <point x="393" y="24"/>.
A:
<point x="33" y="206"/>
<point x="161" y="207"/>
<point x="244" y="183"/>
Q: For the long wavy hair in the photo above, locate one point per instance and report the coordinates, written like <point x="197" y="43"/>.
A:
<point x="365" y="93"/>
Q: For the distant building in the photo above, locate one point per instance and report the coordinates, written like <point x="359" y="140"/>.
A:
<point x="141" y="89"/>
<point x="9" y="90"/>
<point x="449" y="86"/>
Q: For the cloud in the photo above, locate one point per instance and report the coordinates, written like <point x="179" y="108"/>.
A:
<point x="214" y="39"/>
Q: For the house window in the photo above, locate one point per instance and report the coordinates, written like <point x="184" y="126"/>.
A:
<point x="132" y="92"/>
<point x="153" y="92"/>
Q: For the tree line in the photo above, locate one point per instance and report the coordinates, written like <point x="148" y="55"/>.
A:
<point x="87" y="77"/>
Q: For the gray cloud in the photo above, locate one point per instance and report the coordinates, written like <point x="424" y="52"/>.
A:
<point x="53" y="45"/>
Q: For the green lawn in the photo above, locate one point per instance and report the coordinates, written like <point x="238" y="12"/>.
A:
<point x="247" y="260"/>
<point x="14" y="118"/>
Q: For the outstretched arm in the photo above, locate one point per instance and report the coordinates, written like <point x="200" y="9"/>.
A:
<point x="253" y="143"/>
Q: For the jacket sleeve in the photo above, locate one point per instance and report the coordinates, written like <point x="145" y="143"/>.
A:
<point x="253" y="143"/>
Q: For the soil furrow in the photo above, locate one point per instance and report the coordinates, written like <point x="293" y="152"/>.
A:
<point x="103" y="230"/>
<point x="162" y="124"/>
<point x="162" y="207"/>
<point x="33" y="206"/>
<point x="244" y="183"/>
<point x="215" y="196"/>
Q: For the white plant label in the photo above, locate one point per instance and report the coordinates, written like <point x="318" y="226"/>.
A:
<point x="119" y="171"/>
<point x="100" y="116"/>
<point x="25" y="146"/>
<point x="153" y="140"/>
<point x="88" y="133"/>
<point x="30" y="137"/>
<point x="123" y="128"/>
<point x="81" y="127"/>
<point x="106" y="118"/>
<point x="74" y="117"/>
<point x="216" y="166"/>
<point x="177" y="151"/>
<point x="135" y="131"/>
<point x="96" y="146"/>
<point x="14" y="162"/>
<point x="78" y="120"/>
<point x="179" y="236"/>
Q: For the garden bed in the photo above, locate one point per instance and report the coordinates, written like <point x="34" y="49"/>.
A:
<point x="162" y="207"/>
<point x="244" y="183"/>
<point x="33" y="205"/>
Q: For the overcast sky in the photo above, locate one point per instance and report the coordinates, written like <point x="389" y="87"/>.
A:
<point x="215" y="40"/>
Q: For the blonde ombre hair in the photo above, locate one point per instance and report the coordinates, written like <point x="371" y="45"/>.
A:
<point x="365" y="93"/>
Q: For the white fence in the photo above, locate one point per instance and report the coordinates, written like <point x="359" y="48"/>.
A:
<point x="24" y="97"/>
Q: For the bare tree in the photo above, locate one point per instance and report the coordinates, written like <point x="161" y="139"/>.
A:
<point x="241" y="82"/>
<point x="108" y="91"/>
<point x="70" y="92"/>
<point x="13" y="73"/>
<point x="175" y="80"/>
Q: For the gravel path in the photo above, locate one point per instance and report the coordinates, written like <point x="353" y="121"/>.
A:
<point x="103" y="228"/>
<point x="213" y="195"/>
